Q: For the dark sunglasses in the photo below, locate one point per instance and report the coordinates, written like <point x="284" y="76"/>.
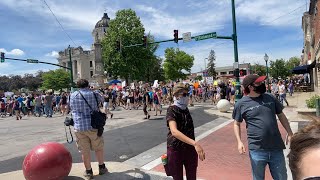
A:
<point x="312" y="178"/>
<point x="184" y="94"/>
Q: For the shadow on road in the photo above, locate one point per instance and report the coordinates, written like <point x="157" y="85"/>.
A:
<point x="129" y="174"/>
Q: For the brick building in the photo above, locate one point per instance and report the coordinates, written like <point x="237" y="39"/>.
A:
<point x="311" y="49"/>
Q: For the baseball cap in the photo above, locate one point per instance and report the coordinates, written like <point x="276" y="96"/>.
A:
<point x="252" y="78"/>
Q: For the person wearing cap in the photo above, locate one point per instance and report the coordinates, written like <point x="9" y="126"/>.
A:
<point x="182" y="149"/>
<point x="259" y="110"/>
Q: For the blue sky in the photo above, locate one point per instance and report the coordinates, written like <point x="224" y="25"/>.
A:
<point x="28" y="29"/>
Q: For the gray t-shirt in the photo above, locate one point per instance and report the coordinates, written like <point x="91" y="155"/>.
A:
<point x="260" y="116"/>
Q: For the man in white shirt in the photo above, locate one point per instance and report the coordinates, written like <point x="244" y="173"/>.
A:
<point x="282" y="93"/>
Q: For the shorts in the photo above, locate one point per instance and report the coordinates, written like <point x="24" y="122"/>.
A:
<point x="106" y="105"/>
<point x="89" y="140"/>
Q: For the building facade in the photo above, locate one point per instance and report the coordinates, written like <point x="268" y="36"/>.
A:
<point x="88" y="64"/>
<point x="311" y="49"/>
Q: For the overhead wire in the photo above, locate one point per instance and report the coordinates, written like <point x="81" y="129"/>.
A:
<point x="59" y="22"/>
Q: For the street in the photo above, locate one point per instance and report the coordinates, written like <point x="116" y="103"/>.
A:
<point x="126" y="137"/>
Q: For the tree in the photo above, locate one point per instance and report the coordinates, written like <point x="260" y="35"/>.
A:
<point x="56" y="79"/>
<point x="211" y="64"/>
<point x="278" y="68"/>
<point x="176" y="62"/>
<point x="258" y="69"/>
<point x="198" y="78"/>
<point x="130" y="62"/>
<point x="293" y="62"/>
<point x="32" y="82"/>
<point x="154" y="70"/>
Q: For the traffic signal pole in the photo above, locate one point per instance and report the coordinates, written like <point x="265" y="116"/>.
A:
<point x="235" y="48"/>
<point x="234" y="37"/>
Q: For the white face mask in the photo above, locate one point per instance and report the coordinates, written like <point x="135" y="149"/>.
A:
<point x="181" y="102"/>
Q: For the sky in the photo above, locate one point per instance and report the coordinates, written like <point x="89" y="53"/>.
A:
<point x="29" y="30"/>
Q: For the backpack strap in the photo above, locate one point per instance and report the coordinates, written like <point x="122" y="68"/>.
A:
<point x="85" y="100"/>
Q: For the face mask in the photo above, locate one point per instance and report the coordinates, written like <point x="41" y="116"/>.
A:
<point x="181" y="102"/>
<point x="260" y="89"/>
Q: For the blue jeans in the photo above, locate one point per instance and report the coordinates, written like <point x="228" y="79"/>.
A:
<point x="48" y="110"/>
<point x="275" y="160"/>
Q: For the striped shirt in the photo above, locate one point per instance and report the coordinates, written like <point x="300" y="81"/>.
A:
<point x="81" y="112"/>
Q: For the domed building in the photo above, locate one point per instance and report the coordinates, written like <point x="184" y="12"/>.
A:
<point x="87" y="64"/>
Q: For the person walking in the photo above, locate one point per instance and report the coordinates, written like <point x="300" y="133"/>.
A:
<point x="145" y="103"/>
<point x="283" y="93"/>
<point x="182" y="149"/>
<point x="38" y="103"/>
<point x="106" y="105"/>
<point x="87" y="137"/>
<point x="290" y="87"/>
<point x="48" y="104"/>
<point x="259" y="110"/>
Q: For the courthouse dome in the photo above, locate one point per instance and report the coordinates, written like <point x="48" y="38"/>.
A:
<point x="104" y="22"/>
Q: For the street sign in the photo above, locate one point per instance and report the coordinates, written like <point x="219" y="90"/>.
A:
<point x="32" y="61"/>
<point x="235" y="65"/>
<point x="186" y="37"/>
<point x="206" y="36"/>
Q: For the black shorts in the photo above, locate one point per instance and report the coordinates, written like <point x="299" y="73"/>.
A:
<point x="131" y="99"/>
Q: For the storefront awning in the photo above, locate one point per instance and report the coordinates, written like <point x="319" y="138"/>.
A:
<point x="303" y="69"/>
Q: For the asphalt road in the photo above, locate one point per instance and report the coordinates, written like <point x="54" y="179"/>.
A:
<point x="124" y="142"/>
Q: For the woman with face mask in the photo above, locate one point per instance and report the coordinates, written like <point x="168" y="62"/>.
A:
<point x="182" y="149"/>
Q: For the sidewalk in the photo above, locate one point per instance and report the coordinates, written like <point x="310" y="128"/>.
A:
<point x="223" y="161"/>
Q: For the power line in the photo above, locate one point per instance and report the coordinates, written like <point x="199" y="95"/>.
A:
<point x="59" y="22"/>
<point x="286" y="14"/>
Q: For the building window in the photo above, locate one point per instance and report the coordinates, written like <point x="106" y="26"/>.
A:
<point x="230" y="72"/>
<point x="91" y="64"/>
<point x="91" y="73"/>
<point x="222" y="73"/>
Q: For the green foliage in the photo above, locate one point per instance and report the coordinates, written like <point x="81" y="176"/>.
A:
<point x="211" y="64"/>
<point x="56" y="80"/>
<point x="311" y="103"/>
<point x="293" y="62"/>
<point x="17" y="82"/>
<point x="198" y="78"/>
<point x="278" y="68"/>
<point x="176" y="61"/>
<point x="131" y="62"/>
<point x="259" y="69"/>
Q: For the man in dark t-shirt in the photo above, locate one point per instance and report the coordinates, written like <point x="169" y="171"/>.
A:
<point x="259" y="110"/>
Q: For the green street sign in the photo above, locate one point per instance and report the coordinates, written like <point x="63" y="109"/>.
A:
<point x="206" y="36"/>
<point x="32" y="61"/>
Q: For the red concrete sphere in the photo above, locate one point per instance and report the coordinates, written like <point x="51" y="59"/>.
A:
<point x="47" y="161"/>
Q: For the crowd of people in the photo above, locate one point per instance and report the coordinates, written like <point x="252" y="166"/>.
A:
<point x="34" y="104"/>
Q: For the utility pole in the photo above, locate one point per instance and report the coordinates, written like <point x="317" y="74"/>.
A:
<point x="236" y="60"/>
<point x="71" y="71"/>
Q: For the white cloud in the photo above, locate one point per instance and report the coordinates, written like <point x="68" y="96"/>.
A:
<point x="54" y="54"/>
<point x="77" y="14"/>
<point x="162" y="23"/>
<point x="13" y="52"/>
<point x="282" y="13"/>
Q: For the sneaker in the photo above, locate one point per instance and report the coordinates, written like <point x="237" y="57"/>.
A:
<point x="88" y="174"/>
<point x="111" y="116"/>
<point x="102" y="169"/>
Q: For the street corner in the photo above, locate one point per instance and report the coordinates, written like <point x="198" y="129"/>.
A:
<point x="215" y="111"/>
<point x="222" y="156"/>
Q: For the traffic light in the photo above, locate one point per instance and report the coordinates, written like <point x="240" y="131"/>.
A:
<point x="176" y="36"/>
<point x="145" y="41"/>
<point x="118" y="46"/>
<point x="2" y="57"/>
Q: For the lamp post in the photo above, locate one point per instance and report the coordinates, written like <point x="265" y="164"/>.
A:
<point x="266" y="58"/>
